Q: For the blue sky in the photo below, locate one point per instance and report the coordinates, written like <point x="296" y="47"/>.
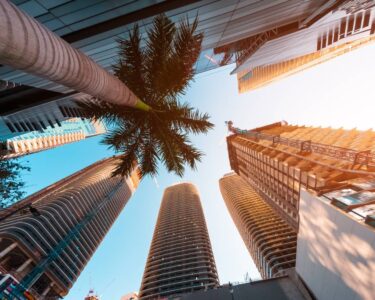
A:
<point x="339" y="93"/>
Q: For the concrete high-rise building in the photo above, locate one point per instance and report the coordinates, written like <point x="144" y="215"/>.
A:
<point x="47" y="239"/>
<point x="319" y="180"/>
<point x="94" y="28"/>
<point x="331" y="29"/>
<point x="180" y="258"/>
<point x="45" y="126"/>
<point x="270" y="241"/>
<point x="260" y="76"/>
<point x="278" y="159"/>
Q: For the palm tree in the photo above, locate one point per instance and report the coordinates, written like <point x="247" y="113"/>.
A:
<point x="158" y="74"/>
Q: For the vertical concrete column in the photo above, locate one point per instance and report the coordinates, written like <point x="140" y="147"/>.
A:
<point x="24" y="265"/>
<point x="8" y="249"/>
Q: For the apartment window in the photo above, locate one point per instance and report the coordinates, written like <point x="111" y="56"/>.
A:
<point x="43" y="125"/>
<point x="30" y="126"/>
<point x="342" y="28"/>
<point x="78" y="112"/>
<point x="10" y="126"/>
<point x="71" y="112"/>
<point x="36" y="126"/>
<point x="319" y="44"/>
<point x="366" y="21"/>
<point x="330" y="37"/>
<point x="351" y="24"/>
<point x="324" y="41"/>
<point x="336" y="35"/>
<point x="63" y="111"/>
<point x="50" y="123"/>
<point x="24" y="128"/>
<point x="19" y="129"/>
<point x="358" y="22"/>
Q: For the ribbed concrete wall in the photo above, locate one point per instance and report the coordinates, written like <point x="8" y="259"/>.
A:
<point x="270" y="241"/>
<point x="62" y="207"/>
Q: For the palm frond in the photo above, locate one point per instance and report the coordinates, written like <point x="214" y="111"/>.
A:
<point x="148" y="163"/>
<point x="130" y="67"/>
<point x="123" y="135"/>
<point x="180" y="69"/>
<point x="186" y="118"/>
<point x="158" y="74"/>
<point x="158" y="50"/>
<point x="186" y="150"/>
<point x="130" y="155"/>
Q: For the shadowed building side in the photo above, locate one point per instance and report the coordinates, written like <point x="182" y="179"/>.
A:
<point x="270" y="241"/>
<point x="47" y="252"/>
<point x="180" y="258"/>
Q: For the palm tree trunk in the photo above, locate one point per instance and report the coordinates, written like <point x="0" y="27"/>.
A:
<point x="27" y="45"/>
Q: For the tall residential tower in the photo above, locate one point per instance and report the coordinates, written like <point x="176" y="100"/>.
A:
<point x="278" y="159"/>
<point x="45" y="126"/>
<point x="180" y="258"/>
<point x="270" y="241"/>
<point x="46" y="246"/>
<point x="275" y="165"/>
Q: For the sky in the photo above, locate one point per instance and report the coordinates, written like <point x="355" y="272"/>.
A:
<point x="338" y="93"/>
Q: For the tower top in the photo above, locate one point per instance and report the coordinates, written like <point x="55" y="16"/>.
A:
<point x="92" y="295"/>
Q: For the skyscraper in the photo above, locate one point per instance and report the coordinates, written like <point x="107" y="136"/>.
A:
<point x="94" y="29"/>
<point x="260" y="76"/>
<point x="331" y="29"/>
<point x="46" y="246"/>
<point x="45" y="126"/>
<point x="180" y="258"/>
<point x="270" y="241"/>
<point x="278" y="159"/>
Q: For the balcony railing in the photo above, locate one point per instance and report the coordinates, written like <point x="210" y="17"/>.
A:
<point x="366" y="158"/>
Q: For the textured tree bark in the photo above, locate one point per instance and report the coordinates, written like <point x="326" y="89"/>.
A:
<point x="27" y="45"/>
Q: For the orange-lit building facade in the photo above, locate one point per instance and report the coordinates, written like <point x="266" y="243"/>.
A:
<point x="270" y="241"/>
<point x="278" y="159"/>
<point x="331" y="29"/>
<point x="258" y="77"/>
<point x="180" y="259"/>
<point x="280" y="165"/>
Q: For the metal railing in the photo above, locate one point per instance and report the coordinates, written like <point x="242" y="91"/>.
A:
<point x="366" y="158"/>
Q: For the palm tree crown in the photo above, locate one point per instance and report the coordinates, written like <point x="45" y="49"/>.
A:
<point x="157" y="73"/>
